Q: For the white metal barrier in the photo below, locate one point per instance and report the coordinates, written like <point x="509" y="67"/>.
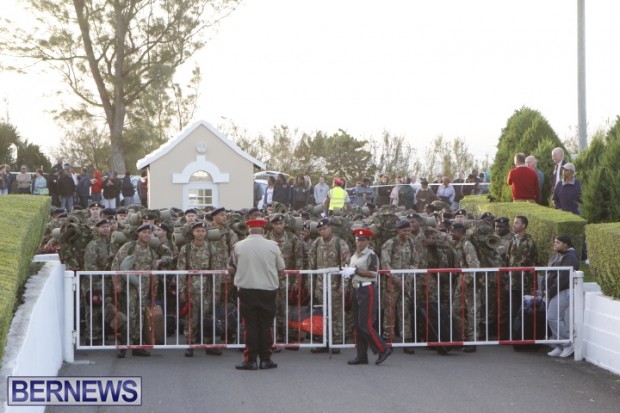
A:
<point x="445" y="307"/>
<point x="109" y="317"/>
<point x="453" y="307"/>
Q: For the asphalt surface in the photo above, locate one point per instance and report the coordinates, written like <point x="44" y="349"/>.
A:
<point x="494" y="379"/>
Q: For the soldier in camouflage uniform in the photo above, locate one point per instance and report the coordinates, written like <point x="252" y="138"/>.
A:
<point x="224" y="247"/>
<point x="329" y="251"/>
<point x="432" y="249"/>
<point x="140" y="292"/>
<point x="292" y="253"/>
<point x="521" y="253"/>
<point x="96" y="258"/>
<point x="48" y="244"/>
<point x="502" y="230"/>
<point x="397" y="253"/>
<point x="197" y="288"/>
<point x="467" y="258"/>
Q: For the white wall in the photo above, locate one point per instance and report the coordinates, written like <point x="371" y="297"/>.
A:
<point x="34" y="344"/>
<point x="601" y="331"/>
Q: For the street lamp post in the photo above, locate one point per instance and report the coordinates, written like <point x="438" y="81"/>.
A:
<point x="581" y="75"/>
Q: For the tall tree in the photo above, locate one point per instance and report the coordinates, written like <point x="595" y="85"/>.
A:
<point x="112" y="53"/>
<point x="84" y="145"/>
<point x="9" y="140"/>
<point x="392" y="155"/>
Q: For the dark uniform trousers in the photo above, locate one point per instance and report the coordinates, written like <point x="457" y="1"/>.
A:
<point x="364" y="303"/>
<point x="258" y="310"/>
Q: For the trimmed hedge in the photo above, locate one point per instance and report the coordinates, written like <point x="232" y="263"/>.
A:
<point x="603" y="239"/>
<point x="544" y="223"/>
<point x="22" y="219"/>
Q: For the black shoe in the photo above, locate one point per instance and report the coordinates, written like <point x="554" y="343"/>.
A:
<point x="121" y="353"/>
<point x="469" y="349"/>
<point x="335" y="351"/>
<point x="247" y="365"/>
<point x="140" y="352"/>
<point x="408" y="350"/>
<point x="318" y="350"/>
<point x="356" y="361"/>
<point x="189" y="352"/>
<point x="383" y="356"/>
<point x="213" y="352"/>
<point x="268" y="364"/>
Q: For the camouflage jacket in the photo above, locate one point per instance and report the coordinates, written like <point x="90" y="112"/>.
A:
<point x="466" y="254"/>
<point x="97" y="255"/>
<point x="145" y="257"/>
<point x="504" y="243"/>
<point x="291" y="248"/>
<point x="522" y="252"/>
<point x="439" y="255"/>
<point x="324" y="254"/>
<point x="224" y="247"/>
<point x="398" y="255"/>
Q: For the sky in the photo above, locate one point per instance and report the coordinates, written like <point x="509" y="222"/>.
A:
<point x="415" y="68"/>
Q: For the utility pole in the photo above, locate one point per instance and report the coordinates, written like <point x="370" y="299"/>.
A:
<point x="581" y="75"/>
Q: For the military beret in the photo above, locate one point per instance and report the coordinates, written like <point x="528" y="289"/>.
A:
<point x="62" y="215"/>
<point x="164" y="226"/>
<point x="95" y="205"/>
<point x="415" y="216"/>
<point x="370" y="205"/>
<point x="457" y="225"/>
<point x="150" y="216"/>
<point x="252" y="210"/>
<point x="502" y="220"/>
<point x="77" y="207"/>
<point x="486" y="215"/>
<point x="191" y="211"/>
<point x="199" y="224"/>
<point x="256" y="223"/>
<point x="277" y="218"/>
<point x="362" y="233"/>
<point x="122" y="211"/>
<point x="109" y="211"/>
<point x="144" y="227"/>
<point x="403" y="224"/>
<point x="217" y="211"/>
<point x="102" y="222"/>
<point x="305" y="214"/>
<point x="461" y="211"/>
<point x="447" y="215"/>
<point x="59" y="211"/>
<point x="323" y="222"/>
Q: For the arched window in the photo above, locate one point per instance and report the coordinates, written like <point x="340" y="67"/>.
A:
<point x="201" y="190"/>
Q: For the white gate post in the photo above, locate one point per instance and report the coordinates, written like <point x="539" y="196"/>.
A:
<point x="69" y="295"/>
<point x="578" y="304"/>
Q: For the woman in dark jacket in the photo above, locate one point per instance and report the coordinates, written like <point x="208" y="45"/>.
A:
<point x="558" y="294"/>
<point x="282" y="191"/>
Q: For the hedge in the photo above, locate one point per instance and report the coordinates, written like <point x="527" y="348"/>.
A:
<point x="544" y="223"/>
<point x="603" y="239"/>
<point x="22" y="219"/>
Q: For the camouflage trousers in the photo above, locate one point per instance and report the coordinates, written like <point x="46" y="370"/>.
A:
<point x="336" y="312"/>
<point x="467" y="309"/>
<point x="396" y="303"/>
<point x="281" y="305"/>
<point x="133" y="302"/>
<point x="199" y="290"/>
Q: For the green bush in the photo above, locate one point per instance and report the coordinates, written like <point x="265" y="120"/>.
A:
<point x="603" y="240"/>
<point x="22" y="219"/>
<point x="544" y="223"/>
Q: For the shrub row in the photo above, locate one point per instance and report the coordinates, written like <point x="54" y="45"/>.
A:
<point x="22" y="219"/>
<point x="544" y="223"/>
<point x="603" y="239"/>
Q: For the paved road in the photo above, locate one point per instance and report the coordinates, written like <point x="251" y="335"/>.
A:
<point x="495" y="379"/>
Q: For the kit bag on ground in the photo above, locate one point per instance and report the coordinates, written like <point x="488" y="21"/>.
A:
<point x="154" y="325"/>
<point x="433" y="330"/>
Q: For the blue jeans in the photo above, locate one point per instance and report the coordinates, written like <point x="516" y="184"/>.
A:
<point x="66" y="202"/>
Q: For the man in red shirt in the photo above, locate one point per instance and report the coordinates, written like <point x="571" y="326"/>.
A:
<point x="523" y="181"/>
